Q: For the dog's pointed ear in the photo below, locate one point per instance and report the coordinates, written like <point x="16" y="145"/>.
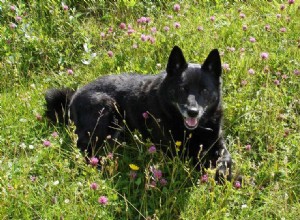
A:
<point x="176" y="63"/>
<point x="213" y="63"/>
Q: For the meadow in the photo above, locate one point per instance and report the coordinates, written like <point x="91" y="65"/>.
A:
<point x="45" y="44"/>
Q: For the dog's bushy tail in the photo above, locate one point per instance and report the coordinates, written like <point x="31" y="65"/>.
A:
<point x="57" y="104"/>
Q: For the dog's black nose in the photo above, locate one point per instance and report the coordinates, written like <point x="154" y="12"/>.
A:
<point x="192" y="112"/>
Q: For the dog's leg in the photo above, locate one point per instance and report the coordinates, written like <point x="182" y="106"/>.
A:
<point x="92" y="130"/>
<point x="223" y="164"/>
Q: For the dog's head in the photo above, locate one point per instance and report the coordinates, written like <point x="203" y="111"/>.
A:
<point x="193" y="88"/>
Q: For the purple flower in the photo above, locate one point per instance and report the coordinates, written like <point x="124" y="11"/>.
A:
<point x="163" y="182"/>
<point x="242" y="15"/>
<point x="176" y="7"/>
<point x="282" y="7"/>
<point x="33" y="178"/>
<point x="110" y="53"/>
<point x="54" y="134"/>
<point x="102" y="35"/>
<point x="212" y="18"/>
<point x="267" y="27"/>
<point x="177" y="25"/>
<point x="12" y="25"/>
<point x="284" y="76"/>
<point x="144" y="37"/>
<point x="244" y="82"/>
<point x="130" y="31"/>
<point x="94" y="186"/>
<point x="297" y="72"/>
<point x="152" y="149"/>
<point x="276" y="82"/>
<point x="200" y="28"/>
<point x="153" y="183"/>
<point x="278" y="16"/>
<point x="283" y="29"/>
<point x="151" y="39"/>
<point x="204" y="178"/>
<point x="145" y="115"/>
<point x="12" y="7"/>
<point x="103" y="200"/>
<point x="252" y="39"/>
<point x="18" y="19"/>
<point x="248" y="147"/>
<point x="245" y="27"/>
<point x="237" y="184"/>
<point x="153" y="30"/>
<point x="65" y="8"/>
<point x="291" y="2"/>
<point x="166" y="28"/>
<point x="264" y="55"/>
<point x="251" y="71"/>
<point x="94" y="161"/>
<point x="157" y="174"/>
<point x="226" y="66"/>
<point x="110" y="156"/>
<point x="70" y="71"/>
<point x="132" y="174"/>
<point x="231" y="49"/>
<point x="143" y="20"/>
<point x="38" y="117"/>
<point x="122" y="26"/>
<point x="47" y="143"/>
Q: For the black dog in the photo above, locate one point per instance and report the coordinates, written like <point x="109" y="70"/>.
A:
<point x="182" y="104"/>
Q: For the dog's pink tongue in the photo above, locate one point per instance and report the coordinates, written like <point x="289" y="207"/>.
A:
<point x="191" y="122"/>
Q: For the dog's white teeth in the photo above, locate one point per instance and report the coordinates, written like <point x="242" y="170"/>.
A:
<point x="191" y="122"/>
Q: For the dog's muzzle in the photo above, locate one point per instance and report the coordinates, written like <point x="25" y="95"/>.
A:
<point x="191" y="116"/>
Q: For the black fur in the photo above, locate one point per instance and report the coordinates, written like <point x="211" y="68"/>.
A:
<point x="184" y="101"/>
<point x="57" y="103"/>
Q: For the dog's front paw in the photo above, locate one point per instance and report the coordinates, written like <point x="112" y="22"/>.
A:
<point x="223" y="171"/>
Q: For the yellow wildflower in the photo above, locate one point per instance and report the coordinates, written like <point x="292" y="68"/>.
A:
<point x="178" y="143"/>
<point x="134" y="167"/>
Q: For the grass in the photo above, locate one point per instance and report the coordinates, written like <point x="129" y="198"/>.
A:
<point x="45" y="44"/>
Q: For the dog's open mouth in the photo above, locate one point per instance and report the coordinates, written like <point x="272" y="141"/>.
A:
<point x="191" y="123"/>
